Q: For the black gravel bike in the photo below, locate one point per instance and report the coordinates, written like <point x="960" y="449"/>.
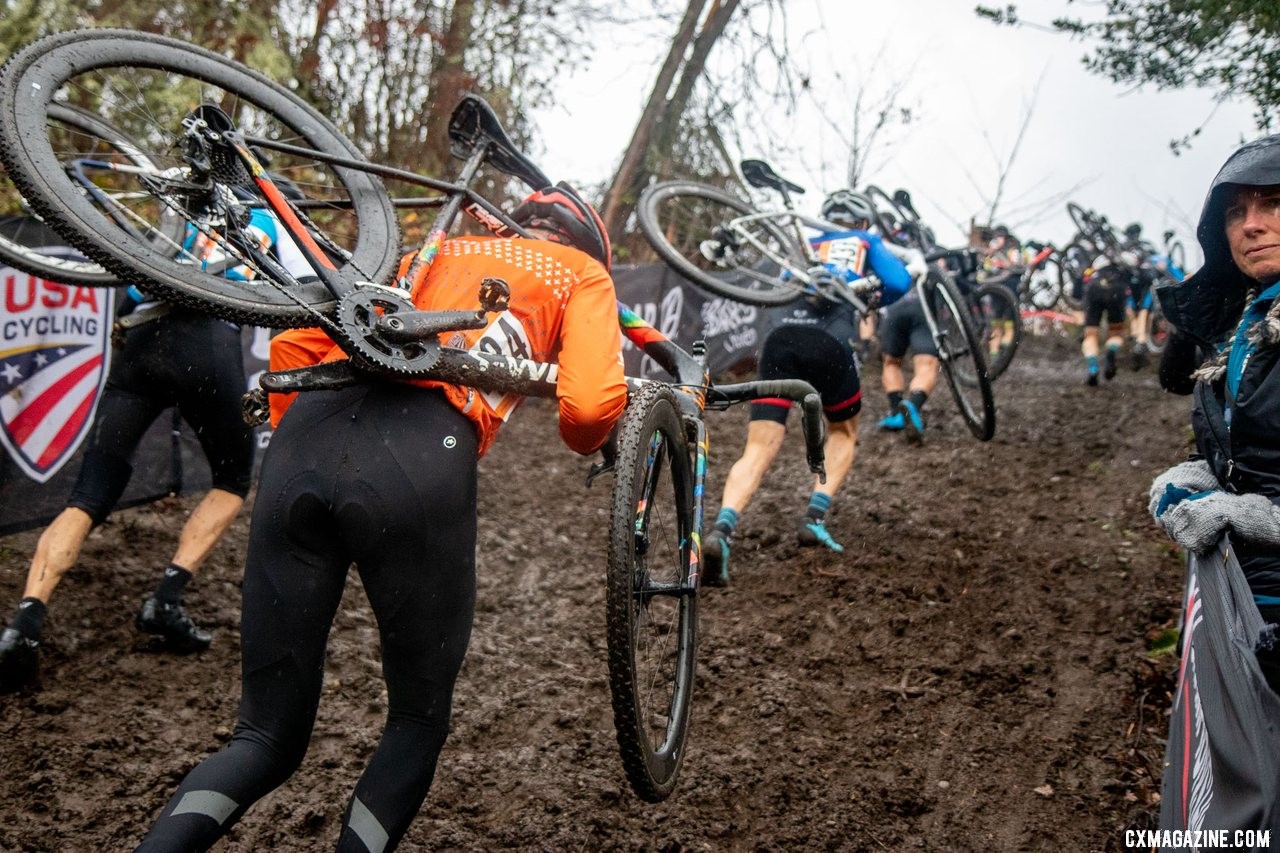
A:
<point x="762" y="257"/>
<point x="204" y="130"/>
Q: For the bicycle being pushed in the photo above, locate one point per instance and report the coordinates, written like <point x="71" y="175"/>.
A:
<point x="190" y="135"/>
<point x="761" y="257"/>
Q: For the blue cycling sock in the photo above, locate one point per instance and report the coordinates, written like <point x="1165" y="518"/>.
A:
<point x="1113" y="347"/>
<point x="1092" y="362"/>
<point x="726" y="520"/>
<point x="818" y="506"/>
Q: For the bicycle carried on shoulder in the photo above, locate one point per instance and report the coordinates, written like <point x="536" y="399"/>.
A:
<point x="204" y="130"/>
<point x="761" y="257"/>
<point x="993" y="305"/>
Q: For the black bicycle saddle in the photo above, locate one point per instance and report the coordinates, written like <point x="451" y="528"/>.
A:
<point x="473" y="123"/>
<point x="760" y="174"/>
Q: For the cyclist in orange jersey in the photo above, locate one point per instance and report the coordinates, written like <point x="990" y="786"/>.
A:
<point x="383" y="474"/>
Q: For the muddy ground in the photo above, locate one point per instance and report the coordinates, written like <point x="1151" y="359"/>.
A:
<point x="973" y="673"/>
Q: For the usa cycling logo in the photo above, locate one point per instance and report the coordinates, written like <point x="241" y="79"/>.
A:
<point x="54" y="355"/>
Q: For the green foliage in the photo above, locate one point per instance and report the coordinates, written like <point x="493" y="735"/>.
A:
<point x="1231" y="46"/>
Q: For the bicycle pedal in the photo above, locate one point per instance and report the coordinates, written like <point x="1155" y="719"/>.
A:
<point x="596" y="469"/>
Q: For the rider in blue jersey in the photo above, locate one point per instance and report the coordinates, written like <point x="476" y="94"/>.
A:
<point x="814" y="340"/>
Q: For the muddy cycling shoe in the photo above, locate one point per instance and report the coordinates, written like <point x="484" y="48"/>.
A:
<point x="19" y="664"/>
<point x="892" y="423"/>
<point x="1138" y="356"/>
<point x="1091" y="379"/>
<point x="170" y="622"/>
<point x="912" y="422"/>
<point x="715" y="559"/>
<point x="1109" y="365"/>
<point x="812" y="533"/>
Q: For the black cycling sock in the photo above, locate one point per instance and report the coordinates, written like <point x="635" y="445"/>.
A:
<point x="28" y="618"/>
<point x="172" y="584"/>
<point x="917" y="399"/>
<point x="895" y="397"/>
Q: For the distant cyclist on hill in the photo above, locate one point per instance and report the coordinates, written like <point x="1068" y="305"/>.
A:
<point x="382" y="474"/>
<point x="1140" y="256"/>
<point x="815" y="340"/>
<point x="1106" y="289"/>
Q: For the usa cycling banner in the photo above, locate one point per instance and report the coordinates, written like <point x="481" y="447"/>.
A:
<point x="53" y="363"/>
<point x="1222" y="770"/>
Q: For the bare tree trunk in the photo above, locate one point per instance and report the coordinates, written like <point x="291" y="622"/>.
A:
<point x="616" y="207"/>
<point x="449" y="82"/>
<point x="717" y="20"/>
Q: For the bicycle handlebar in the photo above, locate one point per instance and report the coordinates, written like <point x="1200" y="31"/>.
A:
<point x="796" y="390"/>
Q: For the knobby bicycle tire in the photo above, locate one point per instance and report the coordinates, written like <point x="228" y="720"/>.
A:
<point x="960" y="351"/>
<point x="1076" y="258"/>
<point x="996" y="304"/>
<point x="22" y="245"/>
<point x="1042" y="286"/>
<point x="35" y="75"/>
<point x="651" y="599"/>
<point x="741" y="273"/>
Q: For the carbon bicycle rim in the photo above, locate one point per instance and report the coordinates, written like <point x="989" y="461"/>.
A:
<point x="699" y="231"/>
<point x="999" y="324"/>
<point x="962" y="353"/>
<point x="27" y="244"/>
<point x="651" y="599"/>
<point x="146" y="85"/>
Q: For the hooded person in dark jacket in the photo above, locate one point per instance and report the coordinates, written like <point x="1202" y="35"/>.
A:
<point x="1229" y="309"/>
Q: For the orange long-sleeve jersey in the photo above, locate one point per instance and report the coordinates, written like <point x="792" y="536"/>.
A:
<point x="563" y="309"/>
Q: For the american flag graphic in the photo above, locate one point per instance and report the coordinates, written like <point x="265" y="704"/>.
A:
<point x="54" y="354"/>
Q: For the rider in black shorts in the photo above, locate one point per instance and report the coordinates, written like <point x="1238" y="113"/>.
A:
<point x="903" y="327"/>
<point x="169" y="357"/>
<point x="1143" y="276"/>
<point x="1106" y="291"/>
<point x="815" y="341"/>
<point x="181" y="359"/>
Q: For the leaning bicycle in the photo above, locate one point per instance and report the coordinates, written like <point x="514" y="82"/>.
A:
<point x="213" y="141"/>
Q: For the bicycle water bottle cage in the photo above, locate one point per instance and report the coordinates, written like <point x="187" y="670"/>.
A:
<point x="760" y="174"/>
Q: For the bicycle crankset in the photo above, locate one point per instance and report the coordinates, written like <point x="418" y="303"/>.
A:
<point x="358" y="315"/>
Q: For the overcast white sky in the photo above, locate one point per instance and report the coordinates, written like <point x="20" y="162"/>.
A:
<point x="964" y="75"/>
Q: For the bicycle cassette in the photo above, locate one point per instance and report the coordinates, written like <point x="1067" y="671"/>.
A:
<point x="358" y="315"/>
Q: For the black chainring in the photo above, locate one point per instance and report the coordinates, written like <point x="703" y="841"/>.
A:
<point x="358" y="314"/>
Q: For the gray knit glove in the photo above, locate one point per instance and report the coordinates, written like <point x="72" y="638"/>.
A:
<point x="1198" y="522"/>
<point x="1179" y="482"/>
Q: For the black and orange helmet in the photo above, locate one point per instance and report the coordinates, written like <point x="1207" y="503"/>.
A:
<point x="569" y="219"/>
